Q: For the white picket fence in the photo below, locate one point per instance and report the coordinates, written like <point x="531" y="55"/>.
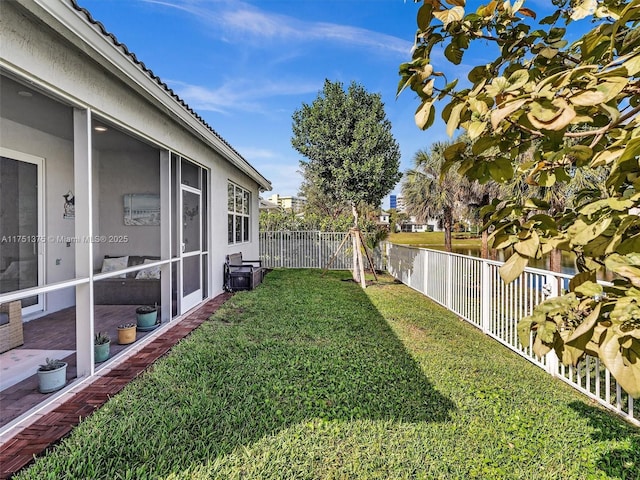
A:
<point x="472" y="288"/>
<point x="468" y="286"/>
<point x="306" y="249"/>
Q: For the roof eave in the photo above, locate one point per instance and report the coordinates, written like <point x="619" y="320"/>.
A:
<point x="77" y="26"/>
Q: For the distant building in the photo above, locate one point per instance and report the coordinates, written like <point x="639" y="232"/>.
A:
<point x="393" y="201"/>
<point x="400" y="205"/>
<point x="268" y="206"/>
<point x="288" y="202"/>
<point x="412" y="225"/>
<point x="383" y="218"/>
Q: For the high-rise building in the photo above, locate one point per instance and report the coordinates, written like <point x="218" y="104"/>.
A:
<point x="288" y="202"/>
<point x="392" y="201"/>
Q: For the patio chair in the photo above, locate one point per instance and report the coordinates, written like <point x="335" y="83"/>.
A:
<point x="11" y="335"/>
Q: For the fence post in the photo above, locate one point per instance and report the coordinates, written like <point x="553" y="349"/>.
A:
<point x="551" y="289"/>
<point x="449" y="281"/>
<point x="485" y="296"/>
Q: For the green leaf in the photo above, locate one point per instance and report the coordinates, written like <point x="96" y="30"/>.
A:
<point x="627" y="375"/>
<point x="529" y="248"/>
<point x="476" y="128"/>
<point x="603" y="92"/>
<point x="524" y="329"/>
<point x="453" y="152"/>
<point x="626" y="266"/>
<point x="579" y="278"/>
<point x="425" y="15"/>
<point x="513" y="267"/>
<point x="630" y="245"/>
<point x="454" y="118"/>
<point x="517" y="79"/>
<point x="448" y="87"/>
<point x="507" y="109"/>
<point x="425" y="115"/>
<point x="589" y="289"/>
<point x="453" y="53"/>
<point x="631" y="151"/>
<point x="501" y="169"/>
<point x="632" y="65"/>
<point x="581" y="152"/>
<point x="582" y="233"/>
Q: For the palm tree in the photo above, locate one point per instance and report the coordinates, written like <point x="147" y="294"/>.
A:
<point x="430" y="194"/>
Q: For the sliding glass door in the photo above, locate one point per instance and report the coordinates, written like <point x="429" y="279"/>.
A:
<point x="21" y="225"/>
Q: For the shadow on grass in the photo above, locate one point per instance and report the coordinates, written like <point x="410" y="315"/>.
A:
<point x="622" y="462"/>
<point x="300" y="348"/>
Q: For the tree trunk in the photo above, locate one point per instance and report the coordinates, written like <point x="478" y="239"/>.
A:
<point x="447" y="223"/>
<point x="555" y="260"/>
<point x="354" y="247"/>
<point x="358" y="266"/>
<point x="354" y="211"/>
<point x="485" y="245"/>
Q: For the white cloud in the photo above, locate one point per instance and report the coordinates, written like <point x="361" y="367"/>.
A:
<point x="239" y="19"/>
<point x="253" y="153"/>
<point x="239" y="95"/>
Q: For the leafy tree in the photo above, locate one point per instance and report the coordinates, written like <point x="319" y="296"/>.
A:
<point x="396" y="218"/>
<point x="580" y="103"/>
<point x="318" y="202"/>
<point x="288" y="220"/>
<point x="350" y="154"/>
<point x="559" y="197"/>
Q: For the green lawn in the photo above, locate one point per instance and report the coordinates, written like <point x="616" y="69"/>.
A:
<point x="313" y="377"/>
<point x="434" y="239"/>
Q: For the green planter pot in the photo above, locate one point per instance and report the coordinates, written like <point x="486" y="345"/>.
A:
<point x="146" y="321"/>
<point x="52" y="380"/>
<point x="101" y="352"/>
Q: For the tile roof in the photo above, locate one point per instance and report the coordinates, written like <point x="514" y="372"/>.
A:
<point x="149" y="72"/>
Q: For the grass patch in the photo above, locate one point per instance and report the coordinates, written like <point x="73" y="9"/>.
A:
<point x="313" y="377"/>
<point x="435" y="240"/>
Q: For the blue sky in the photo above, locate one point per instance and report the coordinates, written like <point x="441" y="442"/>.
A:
<point x="246" y="66"/>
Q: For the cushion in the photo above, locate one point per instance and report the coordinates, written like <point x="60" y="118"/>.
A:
<point x="149" y="273"/>
<point x="113" y="264"/>
<point x="19" y="269"/>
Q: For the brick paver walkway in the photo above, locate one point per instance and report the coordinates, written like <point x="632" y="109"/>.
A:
<point x="19" y="449"/>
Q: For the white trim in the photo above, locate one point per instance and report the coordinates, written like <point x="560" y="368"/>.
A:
<point x="39" y="162"/>
<point x="194" y="298"/>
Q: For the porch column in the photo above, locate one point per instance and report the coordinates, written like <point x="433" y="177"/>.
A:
<point x="82" y="168"/>
<point x="166" y="239"/>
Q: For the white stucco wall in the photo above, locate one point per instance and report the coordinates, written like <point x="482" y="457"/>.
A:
<point x="70" y="73"/>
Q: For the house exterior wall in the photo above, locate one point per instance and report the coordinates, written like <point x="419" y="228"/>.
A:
<point x="68" y="71"/>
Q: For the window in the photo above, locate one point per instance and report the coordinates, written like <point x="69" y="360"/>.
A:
<point x="238" y="208"/>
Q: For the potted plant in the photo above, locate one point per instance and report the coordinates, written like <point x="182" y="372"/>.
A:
<point x="52" y="375"/>
<point x="101" y="347"/>
<point x="126" y="333"/>
<point x="147" y="317"/>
